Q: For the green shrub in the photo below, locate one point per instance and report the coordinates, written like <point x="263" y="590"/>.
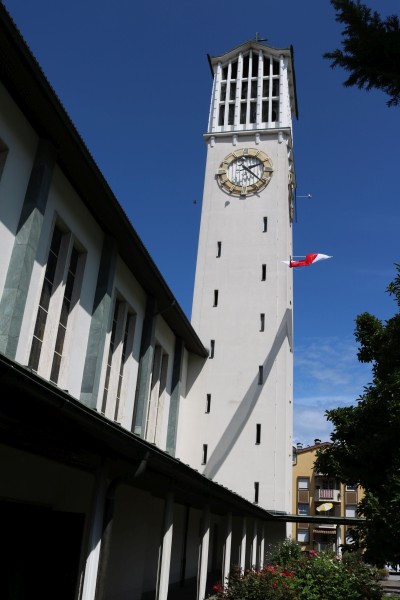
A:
<point x="293" y="575"/>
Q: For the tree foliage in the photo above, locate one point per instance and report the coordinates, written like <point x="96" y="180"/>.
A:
<point x="371" y="48"/>
<point x="366" y="438"/>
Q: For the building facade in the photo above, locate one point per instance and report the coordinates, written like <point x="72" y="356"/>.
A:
<point x="315" y="494"/>
<point x="239" y="409"/>
<point x="102" y="374"/>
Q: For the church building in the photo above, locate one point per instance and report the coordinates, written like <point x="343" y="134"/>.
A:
<point x="143" y="455"/>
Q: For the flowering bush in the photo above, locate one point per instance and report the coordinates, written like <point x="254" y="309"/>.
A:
<point x="293" y="575"/>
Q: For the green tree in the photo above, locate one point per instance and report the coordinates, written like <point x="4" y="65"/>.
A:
<point x="371" y="48"/>
<point x="366" y="438"/>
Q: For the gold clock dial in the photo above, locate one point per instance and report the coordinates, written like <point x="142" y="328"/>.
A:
<point x="245" y="172"/>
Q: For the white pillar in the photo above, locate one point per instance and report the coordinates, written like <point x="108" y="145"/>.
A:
<point x="94" y="538"/>
<point x="203" y="553"/>
<point x="226" y="567"/>
<point x="338" y="541"/>
<point x="164" y="560"/>
<point x="254" y="546"/>
<point x="262" y="546"/>
<point x="243" y="546"/>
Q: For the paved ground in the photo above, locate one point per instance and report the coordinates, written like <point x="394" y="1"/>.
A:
<point x="392" y="585"/>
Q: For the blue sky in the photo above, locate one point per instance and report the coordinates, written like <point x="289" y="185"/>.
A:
<point x="134" y="76"/>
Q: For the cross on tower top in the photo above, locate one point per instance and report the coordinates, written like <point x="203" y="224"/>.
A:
<point x="258" y="39"/>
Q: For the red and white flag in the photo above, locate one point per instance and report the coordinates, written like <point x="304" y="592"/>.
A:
<point x="309" y="259"/>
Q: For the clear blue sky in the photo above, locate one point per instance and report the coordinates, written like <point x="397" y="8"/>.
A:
<point x="134" y="77"/>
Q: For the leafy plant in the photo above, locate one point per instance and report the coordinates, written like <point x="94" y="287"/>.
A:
<point x="293" y="575"/>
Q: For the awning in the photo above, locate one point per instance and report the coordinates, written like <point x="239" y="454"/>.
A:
<point x="329" y="531"/>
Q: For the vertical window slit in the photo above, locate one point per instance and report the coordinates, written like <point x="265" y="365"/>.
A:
<point x="208" y="403"/>
<point x="215" y="298"/>
<point x="212" y="348"/>
<point x="262" y="321"/>
<point x="265" y="224"/>
<point x="204" y="455"/>
<point x="219" y="245"/>
<point x="256" y="491"/>
<point x="263" y="272"/>
<point x="258" y="433"/>
<point x="260" y="375"/>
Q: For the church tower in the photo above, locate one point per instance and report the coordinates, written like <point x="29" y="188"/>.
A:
<point x="236" y="421"/>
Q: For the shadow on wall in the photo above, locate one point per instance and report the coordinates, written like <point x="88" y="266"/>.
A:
<point x="246" y="406"/>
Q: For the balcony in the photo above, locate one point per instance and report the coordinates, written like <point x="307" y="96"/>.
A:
<point x="327" y="495"/>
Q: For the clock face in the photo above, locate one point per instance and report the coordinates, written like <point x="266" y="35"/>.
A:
<point x="245" y="171"/>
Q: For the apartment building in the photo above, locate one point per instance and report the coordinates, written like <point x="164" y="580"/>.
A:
<point x="314" y="494"/>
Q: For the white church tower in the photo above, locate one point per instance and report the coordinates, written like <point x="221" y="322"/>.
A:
<point x="236" y="421"/>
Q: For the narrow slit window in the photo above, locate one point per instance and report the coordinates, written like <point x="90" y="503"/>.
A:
<point x="256" y="491"/>
<point x="219" y="248"/>
<point x="262" y="322"/>
<point x="263" y="272"/>
<point x="212" y="348"/>
<point x="208" y="403"/>
<point x="260" y="375"/>
<point x="215" y="298"/>
<point x="258" y="433"/>
<point x="204" y="455"/>
<point x="265" y="224"/>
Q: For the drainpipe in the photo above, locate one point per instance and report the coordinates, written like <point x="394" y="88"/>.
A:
<point x="108" y="524"/>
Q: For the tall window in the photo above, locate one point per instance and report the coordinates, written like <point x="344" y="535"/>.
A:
<point x="155" y="412"/>
<point x="59" y="295"/>
<point x="65" y="310"/>
<point x="118" y="352"/>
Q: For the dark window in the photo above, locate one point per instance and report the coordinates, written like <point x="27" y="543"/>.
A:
<point x="223" y="92"/>
<point x="262" y="321"/>
<point x="256" y="491"/>
<point x="234" y="70"/>
<point x="204" y="458"/>
<point x="231" y="114"/>
<point x="258" y="433"/>
<point x="212" y="349"/>
<point x="221" y="114"/>
<point x="266" y="66"/>
<point x="243" y="110"/>
<point x="254" y="66"/>
<point x="260" y="375"/>
<point x="263" y="272"/>
<point x="219" y="248"/>
<point x="208" y="403"/>
<point x="265" y="224"/>
<point x="253" y="112"/>
<point x="275" y="67"/>
<point x="275" y="110"/>
<point x="215" y="298"/>
<point x="245" y="68"/>
<point x="265" y="108"/>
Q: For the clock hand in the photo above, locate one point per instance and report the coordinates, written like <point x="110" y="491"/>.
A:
<point x="251" y="172"/>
